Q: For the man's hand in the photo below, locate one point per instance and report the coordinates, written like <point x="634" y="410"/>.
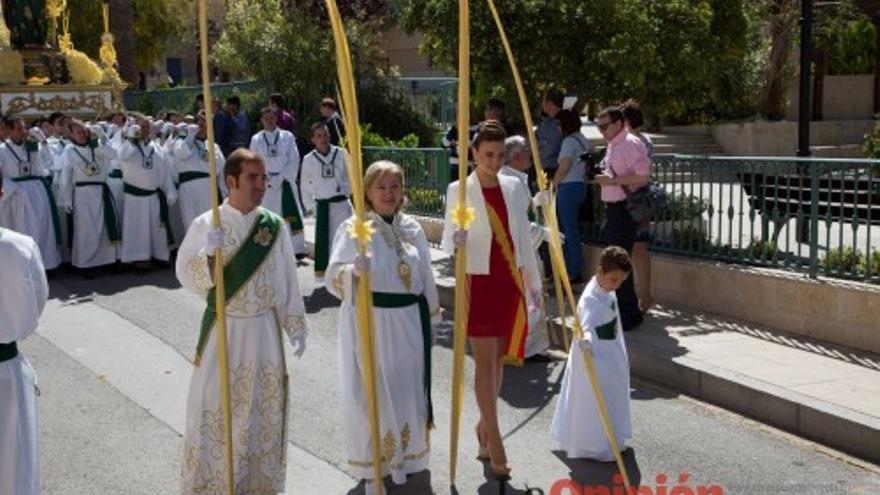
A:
<point x="37" y="134"/>
<point x="215" y="238"/>
<point x="298" y="342"/>
<point x="459" y="238"/>
<point x="585" y="345"/>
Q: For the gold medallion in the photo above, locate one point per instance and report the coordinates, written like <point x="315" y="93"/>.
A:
<point x="405" y="274"/>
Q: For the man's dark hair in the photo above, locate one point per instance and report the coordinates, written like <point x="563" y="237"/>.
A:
<point x="54" y="116"/>
<point x="554" y="96"/>
<point x="236" y="160"/>
<point x="168" y="115"/>
<point x="200" y="97"/>
<point x="615" y="258"/>
<point x="613" y="113"/>
<point x="633" y="114"/>
<point x="233" y="100"/>
<point x="316" y="126"/>
<point x="489" y="131"/>
<point x="497" y="105"/>
<point x="569" y="121"/>
<point x="329" y="103"/>
<point x="277" y="99"/>
<point x="9" y="121"/>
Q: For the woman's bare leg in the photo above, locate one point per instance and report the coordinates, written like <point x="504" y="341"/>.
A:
<point x="486" y="385"/>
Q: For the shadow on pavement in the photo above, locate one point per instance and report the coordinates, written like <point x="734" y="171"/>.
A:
<point x="68" y="282"/>
<point x="319" y="299"/>
<point x="602" y="477"/>
<point x="416" y="484"/>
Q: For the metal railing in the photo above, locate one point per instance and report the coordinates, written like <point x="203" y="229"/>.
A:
<point x="427" y="175"/>
<point x="817" y="216"/>
<point x="182" y="98"/>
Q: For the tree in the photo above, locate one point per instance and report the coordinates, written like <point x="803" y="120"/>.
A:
<point x="148" y="27"/>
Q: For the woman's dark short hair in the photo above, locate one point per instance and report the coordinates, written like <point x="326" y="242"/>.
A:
<point x="277" y="99"/>
<point x="489" y="131"/>
<point x="633" y="114"/>
<point x="569" y="121"/>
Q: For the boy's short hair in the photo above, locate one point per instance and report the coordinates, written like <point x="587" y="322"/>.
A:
<point x="615" y="258"/>
<point x="329" y="103"/>
<point x="489" y="131"/>
<point x="317" y="125"/>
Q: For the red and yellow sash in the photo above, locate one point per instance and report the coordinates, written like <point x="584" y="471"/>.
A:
<point x="516" y="346"/>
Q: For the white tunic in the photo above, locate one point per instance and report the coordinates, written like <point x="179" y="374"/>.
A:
<point x="269" y="304"/>
<point x="399" y="347"/>
<point x="143" y="234"/>
<point x="577" y="427"/>
<point x="191" y="155"/>
<point x="91" y="244"/>
<point x="25" y="207"/>
<point x="21" y="301"/>
<point x="278" y="149"/>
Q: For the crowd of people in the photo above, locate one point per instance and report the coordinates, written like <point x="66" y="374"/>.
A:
<point x="119" y="187"/>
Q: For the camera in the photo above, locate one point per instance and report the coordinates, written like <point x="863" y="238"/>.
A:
<point x="592" y="161"/>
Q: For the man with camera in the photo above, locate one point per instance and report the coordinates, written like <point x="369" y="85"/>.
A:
<point x="627" y="169"/>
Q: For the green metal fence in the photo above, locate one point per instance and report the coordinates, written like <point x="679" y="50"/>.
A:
<point x="427" y="175"/>
<point x="818" y="216"/>
<point x="182" y="98"/>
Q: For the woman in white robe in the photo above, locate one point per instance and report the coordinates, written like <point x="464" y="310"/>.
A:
<point x="267" y="307"/>
<point x="21" y="301"/>
<point x="399" y="263"/>
<point x="577" y="427"/>
<point x="84" y="168"/>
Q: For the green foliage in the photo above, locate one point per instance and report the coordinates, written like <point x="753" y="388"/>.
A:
<point x="287" y="48"/>
<point x="691" y="238"/>
<point x="763" y="250"/>
<point x="683" y="207"/>
<point x="871" y="146"/>
<point x="158" y="24"/>
<point x="874" y="262"/>
<point x="849" y="36"/>
<point x="370" y="138"/>
<point x="423" y="201"/>
<point x="844" y="259"/>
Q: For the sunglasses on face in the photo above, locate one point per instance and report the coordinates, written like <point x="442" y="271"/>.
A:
<point x="605" y="126"/>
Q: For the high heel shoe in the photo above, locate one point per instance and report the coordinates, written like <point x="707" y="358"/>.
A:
<point x="483" y="449"/>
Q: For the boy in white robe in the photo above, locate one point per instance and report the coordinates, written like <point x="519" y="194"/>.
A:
<point x="29" y="204"/>
<point x="21" y="301"/>
<point x="278" y="149"/>
<point x="84" y="193"/>
<point x="325" y="190"/>
<point x="190" y="165"/>
<point x="263" y="305"/>
<point x="149" y="191"/>
<point x="577" y="427"/>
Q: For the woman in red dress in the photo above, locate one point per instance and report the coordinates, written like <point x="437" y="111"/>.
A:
<point x="497" y="244"/>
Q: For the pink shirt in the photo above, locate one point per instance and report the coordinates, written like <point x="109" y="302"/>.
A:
<point x="626" y="155"/>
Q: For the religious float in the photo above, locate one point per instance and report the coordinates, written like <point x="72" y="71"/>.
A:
<point x="40" y="70"/>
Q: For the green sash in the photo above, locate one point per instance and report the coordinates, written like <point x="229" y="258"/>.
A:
<point x="322" y="232"/>
<point x="111" y="220"/>
<point x="164" y="217"/>
<point x="239" y="269"/>
<point x="606" y="331"/>
<point x="53" y="207"/>
<point x="116" y="173"/>
<point x="398" y="300"/>
<point x="289" y="208"/>
<point x="185" y="177"/>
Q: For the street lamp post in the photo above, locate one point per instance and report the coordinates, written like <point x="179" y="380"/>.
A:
<point x="804" y="113"/>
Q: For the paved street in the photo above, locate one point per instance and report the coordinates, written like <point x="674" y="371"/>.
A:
<point x="112" y="359"/>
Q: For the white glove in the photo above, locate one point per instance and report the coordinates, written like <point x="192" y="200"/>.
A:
<point x="172" y="199"/>
<point x="361" y="264"/>
<point x="112" y="129"/>
<point x="215" y="238"/>
<point x="541" y="198"/>
<point x="134" y="132"/>
<point x="37" y="134"/>
<point x="459" y="238"/>
<point x="585" y="345"/>
<point x="192" y="130"/>
<point x="167" y="128"/>
<point x="97" y="132"/>
<point x="298" y="342"/>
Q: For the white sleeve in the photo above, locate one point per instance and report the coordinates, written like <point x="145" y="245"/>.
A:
<point x="421" y="243"/>
<point x="339" y="276"/>
<point x="291" y="312"/>
<point x="292" y="166"/>
<point x="65" y="179"/>
<point x="191" y="267"/>
<point x="219" y="162"/>
<point x="532" y="274"/>
<point x="307" y="183"/>
<point x="446" y="243"/>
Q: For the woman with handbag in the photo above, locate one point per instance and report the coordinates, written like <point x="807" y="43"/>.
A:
<point x="627" y="169"/>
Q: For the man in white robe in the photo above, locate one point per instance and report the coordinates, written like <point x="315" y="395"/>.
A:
<point x="263" y="305"/>
<point x="278" y="149"/>
<point x="29" y="203"/>
<point x="84" y="193"/>
<point x="21" y="302"/>
<point x="149" y="192"/>
<point x="193" y="177"/>
<point x="326" y="189"/>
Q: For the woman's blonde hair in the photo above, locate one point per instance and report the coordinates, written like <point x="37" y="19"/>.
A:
<point x="380" y="169"/>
